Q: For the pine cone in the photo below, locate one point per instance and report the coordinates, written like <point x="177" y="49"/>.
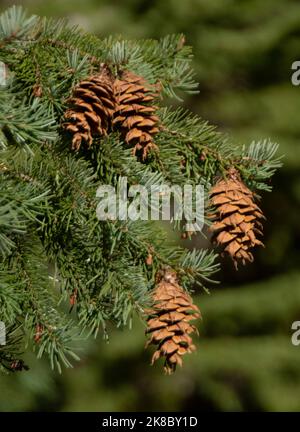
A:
<point x="237" y="218"/>
<point x="169" y="322"/>
<point x="91" y="108"/>
<point x="134" y="113"/>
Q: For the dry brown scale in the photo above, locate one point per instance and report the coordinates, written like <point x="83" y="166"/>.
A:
<point x="169" y="319"/>
<point x="91" y="108"/>
<point x="237" y="219"/>
<point x="135" y="113"/>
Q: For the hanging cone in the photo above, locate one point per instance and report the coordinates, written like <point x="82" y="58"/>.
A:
<point x="168" y="322"/>
<point x="135" y="113"/>
<point x="90" y="109"/>
<point x="237" y="220"/>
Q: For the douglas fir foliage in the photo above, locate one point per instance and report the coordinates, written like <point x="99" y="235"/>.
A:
<point x="77" y="112"/>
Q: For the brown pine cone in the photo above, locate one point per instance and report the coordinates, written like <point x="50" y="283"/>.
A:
<point x="169" y="321"/>
<point x="91" y="108"/>
<point x="135" y="113"/>
<point x="237" y="219"/>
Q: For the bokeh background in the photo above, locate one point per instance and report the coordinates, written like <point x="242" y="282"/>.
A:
<point x="245" y="359"/>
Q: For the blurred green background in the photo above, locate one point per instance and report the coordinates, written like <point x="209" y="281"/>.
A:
<point x="245" y="361"/>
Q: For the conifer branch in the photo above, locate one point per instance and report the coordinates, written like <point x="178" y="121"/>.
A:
<point x="78" y="112"/>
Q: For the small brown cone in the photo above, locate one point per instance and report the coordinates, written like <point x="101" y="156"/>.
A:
<point x="149" y="259"/>
<point x="237" y="220"/>
<point x="37" y="90"/>
<point x="91" y="107"/>
<point x="73" y="297"/>
<point x="168" y="322"/>
<point x="135" y="114"/>
<point x="38" y="333"/>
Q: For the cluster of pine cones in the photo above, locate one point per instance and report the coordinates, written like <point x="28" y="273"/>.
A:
<point x="101" y="104"/>
<point x="236" y="224"/>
